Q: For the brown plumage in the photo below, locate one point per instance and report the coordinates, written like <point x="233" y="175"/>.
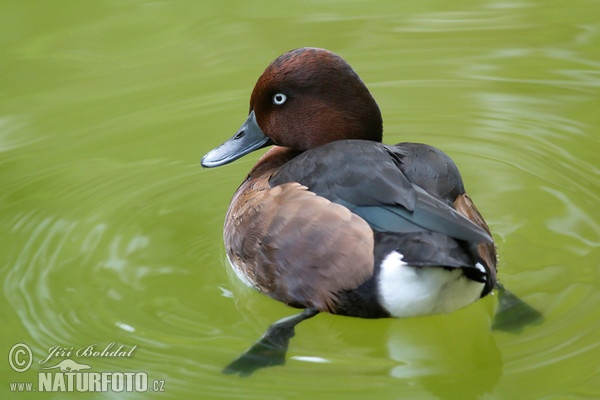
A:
<point x="333" y="220"/>
<point x="487" y="251"/>
<point x="293" y="245"/>
<point x="318" y="215"/>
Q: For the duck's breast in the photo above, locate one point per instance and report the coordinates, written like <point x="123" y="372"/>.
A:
<point x="295" y="246"/>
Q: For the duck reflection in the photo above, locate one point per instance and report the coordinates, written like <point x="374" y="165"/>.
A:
<point x="446" y="355"/>
<point x="449" y="356"/>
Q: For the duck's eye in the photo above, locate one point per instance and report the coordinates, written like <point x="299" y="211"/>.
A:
<point x="279" y="99"/>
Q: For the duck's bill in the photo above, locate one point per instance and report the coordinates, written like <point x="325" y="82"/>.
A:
<point x="247" y="139"/>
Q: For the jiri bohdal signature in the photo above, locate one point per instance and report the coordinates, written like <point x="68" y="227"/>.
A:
<point x="92" y="350"/>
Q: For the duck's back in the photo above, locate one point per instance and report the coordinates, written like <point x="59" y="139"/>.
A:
<point x="404" y="188"/>
<point x="360" y="228"/>
<point x="431" y="169"/>
<point x="408" y="194"/>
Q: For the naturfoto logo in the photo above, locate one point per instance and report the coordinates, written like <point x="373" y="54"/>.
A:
<point x="67" y="365"/>
<point x="69" y="375"/>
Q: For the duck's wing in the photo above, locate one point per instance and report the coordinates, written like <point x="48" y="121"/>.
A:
<point x="434" y="171"/>
<point x="367" y="178"/>
<point x="296" y="247"/>
<point x="429" y="168"/>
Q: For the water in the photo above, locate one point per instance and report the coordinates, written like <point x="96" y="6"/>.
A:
<point x="111" y="231"/>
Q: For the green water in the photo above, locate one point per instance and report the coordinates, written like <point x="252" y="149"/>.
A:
<point x="111" y="231"/>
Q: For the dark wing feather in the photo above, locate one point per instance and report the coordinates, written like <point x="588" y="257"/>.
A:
<point x="430" y="169"/>
<point x="429" y="213"/>
<point x="358" y="172"/>
<point x="367" y="178"/>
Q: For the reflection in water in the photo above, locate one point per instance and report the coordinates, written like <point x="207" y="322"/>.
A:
<point x="450" y="361"/>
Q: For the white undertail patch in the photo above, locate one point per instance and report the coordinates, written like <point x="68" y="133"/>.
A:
<point x="482" y="269"/>
<point x="406" y="291"/>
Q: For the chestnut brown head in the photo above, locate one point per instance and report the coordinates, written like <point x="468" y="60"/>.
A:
<point x="305" y="98"/>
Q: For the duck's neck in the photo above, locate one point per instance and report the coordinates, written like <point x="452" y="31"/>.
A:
<point x="273" y="159"/>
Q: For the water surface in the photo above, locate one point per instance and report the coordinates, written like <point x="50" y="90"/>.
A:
<point x="111" y="231"/>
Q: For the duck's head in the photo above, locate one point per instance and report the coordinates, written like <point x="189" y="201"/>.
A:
<point x="305" y="98"/>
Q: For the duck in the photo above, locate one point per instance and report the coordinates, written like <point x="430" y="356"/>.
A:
<point x="331" y="219"/>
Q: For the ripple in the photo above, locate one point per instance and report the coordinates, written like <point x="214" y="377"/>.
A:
<point x="86" y="274"/>
<point x="461" y="21"/>
<point x="113" y="233"/>
<point x="13" y="134"/>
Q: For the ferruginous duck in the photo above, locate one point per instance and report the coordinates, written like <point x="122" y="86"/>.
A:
<point x="330" y="219"/>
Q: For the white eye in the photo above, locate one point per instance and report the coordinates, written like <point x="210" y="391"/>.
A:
<point x="279" y="99"/>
